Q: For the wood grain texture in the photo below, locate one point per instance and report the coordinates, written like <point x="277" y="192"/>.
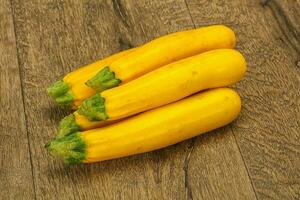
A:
<point x="16" y="181"/>
<point x="287" y="14"/>
<point x="216" y="169"/>
<point x="268" y="131"/>
<point x="54" y="37"/>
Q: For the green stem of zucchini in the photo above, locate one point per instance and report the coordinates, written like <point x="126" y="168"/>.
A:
<point x="67" y="126"/>
<point x="93" y="108"/>
<point x="103" y="80"/>
<point x="71" y="149"/>
<point x="60" y="92"/>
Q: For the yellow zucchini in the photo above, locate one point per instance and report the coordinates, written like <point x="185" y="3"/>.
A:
<point x="170" y="83"/>
<point x="216" y="68"/>
<point x="162" y="51"/>
<point x="72" y="90"/>
<point x="150" y="130"/>
<point x="67" y="125"/>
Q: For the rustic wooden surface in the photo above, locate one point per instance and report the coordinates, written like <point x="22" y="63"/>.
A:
<point x="256" y="157"/>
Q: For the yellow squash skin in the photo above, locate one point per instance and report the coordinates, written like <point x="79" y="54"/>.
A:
<point x="217" y="68"/>
<point x="82" y="74"/>
<point x="69" y="124"/>
<point x="162" y="126"/>
<point x="72" y="90"/>
<point x="151" y="130"/>
<point x="86" y="124"/>
<point x="170" y="48"/>
<point x="78" y="78"/>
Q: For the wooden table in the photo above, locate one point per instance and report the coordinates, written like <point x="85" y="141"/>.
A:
<point x="256" y="157"/>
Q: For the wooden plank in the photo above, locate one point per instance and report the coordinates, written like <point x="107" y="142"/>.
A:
<point x="16" y="181"/>
<point x="268" y="130"/>
<point x="54" y="37"/>
<point x="286" y="14"/>
<point x="216" y="161"/>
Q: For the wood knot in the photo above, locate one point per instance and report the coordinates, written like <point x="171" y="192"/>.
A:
<point x="298" y="63"/>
